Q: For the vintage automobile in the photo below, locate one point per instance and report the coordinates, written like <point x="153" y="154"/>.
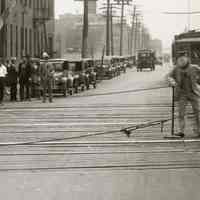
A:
<point x="123" y="64"/>
<point x="91" y="75"/>
<point x="145" y="60"/>
<point x="107" y="68"/>
<point x="117" y="65"/>
<point x="131" y="61"/>
<point x="82" y="73"/>
<point x="77" y="71"/>
<point x="62" y="80"/>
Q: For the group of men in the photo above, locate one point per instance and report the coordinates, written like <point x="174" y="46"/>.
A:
<point x="32" y="77"/>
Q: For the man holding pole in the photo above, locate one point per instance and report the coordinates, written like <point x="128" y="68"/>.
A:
<point x="186" y="78"/>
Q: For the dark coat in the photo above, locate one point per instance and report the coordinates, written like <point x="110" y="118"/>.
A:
<point x="193" y="81"/>
<point x="12" y="75"/>
<point x="25" y="71"/>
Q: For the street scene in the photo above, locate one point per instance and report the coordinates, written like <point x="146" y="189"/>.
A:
<point x="97" y="102"/>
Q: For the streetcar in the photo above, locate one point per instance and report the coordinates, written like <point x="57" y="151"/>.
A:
<point x="145" y="60"/>
<point x="188" y="43"/>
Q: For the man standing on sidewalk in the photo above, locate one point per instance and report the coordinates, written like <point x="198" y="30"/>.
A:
<point x="12" y="79"/>
<point x="47" y="75"/>
<point x="22" y="78"/>
<point x="186" y="78"/>
<point x="3" y="72"/>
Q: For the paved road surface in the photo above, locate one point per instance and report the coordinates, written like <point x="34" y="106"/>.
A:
<point x="110" y="166"/>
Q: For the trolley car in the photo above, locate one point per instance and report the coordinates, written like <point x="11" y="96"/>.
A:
<point x="189" y="43"/>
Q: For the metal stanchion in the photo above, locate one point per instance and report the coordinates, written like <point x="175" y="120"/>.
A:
<point x="173" y="110"/>
<point x="172" y="136"/>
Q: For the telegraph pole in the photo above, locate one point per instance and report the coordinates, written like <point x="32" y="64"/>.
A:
<point x="111" y="28"/>
<point x="132" y="30"/>
<point x="121" y="28"/>
<point x="108" y="29"/>
<point x="189" y="15"/>
<point x="2" y="32"/>
<point x="85" y="31"/>
<point x="112" y="33"/>
<point x="135" y="41"/>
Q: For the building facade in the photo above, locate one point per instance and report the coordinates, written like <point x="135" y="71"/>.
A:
<point x="28" y="28"/>
<point x="68" y="36"/>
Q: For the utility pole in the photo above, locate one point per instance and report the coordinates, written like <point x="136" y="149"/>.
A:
<point x="85" y="31"/>
<point x="108" y="29"/>
<point x="2" y="31"/>
<point x="121" y="28"/>
<point x="23" y="31"/>
<point x="136" y="29"/>
<point x="189" y="15"/>
<point x="111" y="30"/>
<point x="132" y="30"/>
<point x="121" y="24"/>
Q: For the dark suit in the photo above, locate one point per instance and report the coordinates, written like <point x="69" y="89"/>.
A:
<point x="12" y="82"/>
<point x="24" y="79"/>
<point x="46" y="74"/>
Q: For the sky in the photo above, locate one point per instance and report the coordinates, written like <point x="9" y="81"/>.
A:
<point x="160" y="25"/>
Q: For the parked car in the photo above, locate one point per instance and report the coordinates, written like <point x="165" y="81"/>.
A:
<point x="62" y="81"/>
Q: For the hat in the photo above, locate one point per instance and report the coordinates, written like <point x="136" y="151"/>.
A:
<point x="45" y="55"/>
<point x="13" y="58"/>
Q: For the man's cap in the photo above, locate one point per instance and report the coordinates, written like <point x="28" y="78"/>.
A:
<point x="13" y="58"/>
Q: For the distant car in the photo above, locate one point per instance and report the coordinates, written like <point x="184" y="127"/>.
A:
<point x="146" y="60"/>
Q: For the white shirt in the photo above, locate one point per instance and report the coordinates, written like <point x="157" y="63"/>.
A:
<point x="3" y="71"/>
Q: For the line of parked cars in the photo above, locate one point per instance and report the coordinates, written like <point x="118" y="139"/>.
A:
<point x="73" y="76"/>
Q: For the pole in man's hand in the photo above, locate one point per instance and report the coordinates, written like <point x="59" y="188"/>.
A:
<point x="172" y="135"/>
<point x="173" y="110"/>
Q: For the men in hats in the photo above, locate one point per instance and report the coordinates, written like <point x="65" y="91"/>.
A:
<point x="47" y="76"/>
<point x="186" y="78"/>
<point x="3" y="73"/>
<point x="25" y="70"/>
<point x="12" y="79"/>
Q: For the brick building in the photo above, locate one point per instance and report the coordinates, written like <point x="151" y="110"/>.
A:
<point x="28" y="28"/>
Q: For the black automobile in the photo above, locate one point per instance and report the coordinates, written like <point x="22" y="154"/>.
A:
<point x="146" y="60"/>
